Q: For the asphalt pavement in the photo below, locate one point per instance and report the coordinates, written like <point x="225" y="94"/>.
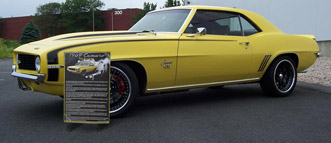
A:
<point x="239" y="113"/>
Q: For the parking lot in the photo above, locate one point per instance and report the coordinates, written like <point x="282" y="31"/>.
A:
<point x="239" y="113"/>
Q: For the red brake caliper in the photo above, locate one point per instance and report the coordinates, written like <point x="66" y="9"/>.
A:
<point x="120" y="84"/>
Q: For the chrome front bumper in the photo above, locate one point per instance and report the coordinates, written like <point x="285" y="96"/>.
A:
<point x="319" y="54"/>
<point x="36" y="78"/>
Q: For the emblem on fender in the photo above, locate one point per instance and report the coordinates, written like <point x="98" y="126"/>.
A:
<point x="166" y="64"/>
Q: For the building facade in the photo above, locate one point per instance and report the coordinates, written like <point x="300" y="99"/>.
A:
<point x="114" y="19"/>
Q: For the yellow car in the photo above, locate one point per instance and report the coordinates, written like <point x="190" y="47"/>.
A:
<point x="82" y="68"/>
<point x="176" y="49"/>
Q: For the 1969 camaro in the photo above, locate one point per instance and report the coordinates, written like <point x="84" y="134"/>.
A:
<point x="82" y="67"/>
<point x="175" y="49"/>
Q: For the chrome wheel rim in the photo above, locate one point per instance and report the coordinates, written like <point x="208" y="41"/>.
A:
<point x="120" y="90"/>
<point x="284" y="76"/>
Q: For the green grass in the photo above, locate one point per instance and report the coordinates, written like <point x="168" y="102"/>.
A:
<point x="7" y="47"/>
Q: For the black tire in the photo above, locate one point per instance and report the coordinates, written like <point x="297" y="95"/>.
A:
<point x="83" y="73"/>
<point x="122" y="99"/>
<point x="280" y="78"/>
<point x="216" y="87"/>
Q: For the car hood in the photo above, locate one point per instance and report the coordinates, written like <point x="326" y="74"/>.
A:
<point x="59" y="41"/>
<point x="74" y="67"/>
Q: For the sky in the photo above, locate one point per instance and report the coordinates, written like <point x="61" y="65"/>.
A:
<point x="290" y="16"/>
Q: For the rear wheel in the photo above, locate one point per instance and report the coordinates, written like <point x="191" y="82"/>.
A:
<point x="123" y="89"/>
<point x="280" y="79"/>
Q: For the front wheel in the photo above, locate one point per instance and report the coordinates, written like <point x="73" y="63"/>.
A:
<point x="123" y="89"/>
<point x="280" y="78"/>
<point x="83" y="73"/>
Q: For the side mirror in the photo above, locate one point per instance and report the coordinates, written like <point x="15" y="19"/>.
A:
<point x="201" y="31"/>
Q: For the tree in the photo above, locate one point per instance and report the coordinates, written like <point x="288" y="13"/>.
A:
<point x="172" y="3"/>
<point x="1" y="21"/>
<point x="187" y="2"/>
<point x="47" y="18"/>
<point x="30" y="33"/>
<point x="76" y="15"/>
<point x="147" y="8"/>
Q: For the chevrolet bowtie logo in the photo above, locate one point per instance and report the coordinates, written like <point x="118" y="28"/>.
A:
<point x="166" y="64"/>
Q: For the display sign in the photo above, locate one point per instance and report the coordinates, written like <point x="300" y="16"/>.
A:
<point x="86" y="97"/>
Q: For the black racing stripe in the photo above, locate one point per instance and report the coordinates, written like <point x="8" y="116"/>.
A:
<point x="102" y="34"/>
<point x="53" y="59"/>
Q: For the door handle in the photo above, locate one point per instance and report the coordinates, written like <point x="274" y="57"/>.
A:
<point x="246" y="43"/>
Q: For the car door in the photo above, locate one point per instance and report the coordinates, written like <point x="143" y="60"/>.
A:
<point x="221" y="54"/>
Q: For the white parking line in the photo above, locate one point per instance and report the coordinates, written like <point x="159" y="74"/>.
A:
<point x="2" y="79"/>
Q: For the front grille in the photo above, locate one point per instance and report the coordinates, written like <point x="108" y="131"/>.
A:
<point x="53" y="74"/>
<point x="26" y="62"/>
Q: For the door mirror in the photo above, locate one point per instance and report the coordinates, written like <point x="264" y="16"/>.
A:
<point x="201" y="31"/>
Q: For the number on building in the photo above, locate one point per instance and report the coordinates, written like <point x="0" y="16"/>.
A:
<point x="118" y="12"/>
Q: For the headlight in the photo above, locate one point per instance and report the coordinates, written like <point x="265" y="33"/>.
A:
<point x="37" y="64"/>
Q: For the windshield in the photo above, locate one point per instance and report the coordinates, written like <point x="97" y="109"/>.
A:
<point x="162" y="21"/>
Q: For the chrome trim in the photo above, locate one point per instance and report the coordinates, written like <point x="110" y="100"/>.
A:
<point x="39" y="78"/>
<point x="172" y="8"/>
<point x="13" y="68"/>
<point x="53" y="66"/>
<point x="201" y="31"/>
<point x="203" y="84"/>
<point x="319" y="54"/>
<point x="293" y="79"/>
<point x="187" y="18"/>
<point x="304" y="71"/>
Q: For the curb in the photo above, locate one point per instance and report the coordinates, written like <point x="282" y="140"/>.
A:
<point x="314" y="87"/>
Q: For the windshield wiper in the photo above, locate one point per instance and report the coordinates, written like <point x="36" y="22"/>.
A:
<point x="148" y="31"/>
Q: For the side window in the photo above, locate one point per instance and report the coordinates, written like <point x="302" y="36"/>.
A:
<point x="248" y="28"/>
<point x="216" y="23"/>
<point x="233" y="25"/>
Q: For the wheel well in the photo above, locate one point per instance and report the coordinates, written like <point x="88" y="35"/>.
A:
<point x="293" y="56"/>
<point x="140" y="72"/>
